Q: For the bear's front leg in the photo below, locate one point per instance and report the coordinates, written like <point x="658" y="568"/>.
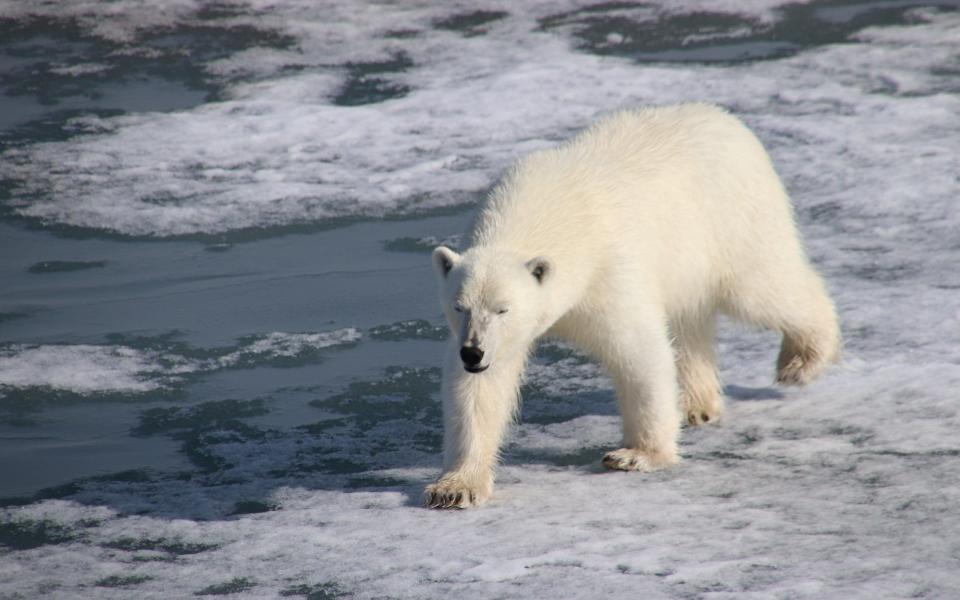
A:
<point x="477" y="407"/>
<point x="635" y="348"/>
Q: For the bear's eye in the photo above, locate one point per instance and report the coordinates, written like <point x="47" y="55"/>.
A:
<point x="502" y="310"/>
<point x="458" y="308"/>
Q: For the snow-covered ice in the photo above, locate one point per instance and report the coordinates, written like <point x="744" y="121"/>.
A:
<point x="846" y="489"/>
<point x="280" y="151"/>
<point x="88" y="369"/>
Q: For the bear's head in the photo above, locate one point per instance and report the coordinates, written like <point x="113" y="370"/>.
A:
<point x="493" y="302"/>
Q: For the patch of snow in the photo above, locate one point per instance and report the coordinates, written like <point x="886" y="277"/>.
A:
<point x="90" y="369"/>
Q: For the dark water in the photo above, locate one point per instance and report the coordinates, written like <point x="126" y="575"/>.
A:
<point x="626" y="29"/>
<point x="173" y="294"/>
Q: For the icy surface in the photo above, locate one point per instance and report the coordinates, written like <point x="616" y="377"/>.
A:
<point x="87" y="369"/>
<point x="284" y="150"/>
<point x="80" y="368"/>
<point x="846" y="489"/>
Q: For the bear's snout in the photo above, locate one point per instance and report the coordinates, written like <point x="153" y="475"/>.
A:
<point x="471" y="358"/>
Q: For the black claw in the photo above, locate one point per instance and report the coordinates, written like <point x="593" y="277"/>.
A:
<point x="705" y="417"/>
<point x="436" y="499"/>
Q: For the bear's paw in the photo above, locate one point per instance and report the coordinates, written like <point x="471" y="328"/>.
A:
<point x="634" y="459"/>
<point x="456" y="492"/>
<point x="702" y="410"/>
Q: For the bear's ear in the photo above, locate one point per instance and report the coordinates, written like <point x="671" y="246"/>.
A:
<point x="540" y="268"/>
<point x="444" y="259"/>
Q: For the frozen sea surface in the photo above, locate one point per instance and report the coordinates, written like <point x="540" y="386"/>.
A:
<point x="219" y="340"/>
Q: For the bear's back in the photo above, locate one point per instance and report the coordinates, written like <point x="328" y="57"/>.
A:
<point x="653" y="164"/>
<point x="678" y="192"/>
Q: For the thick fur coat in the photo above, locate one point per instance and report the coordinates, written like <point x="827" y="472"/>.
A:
<point x="626" y="241"/>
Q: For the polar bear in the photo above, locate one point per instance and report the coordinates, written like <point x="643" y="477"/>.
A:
<point x="626" y="241"/>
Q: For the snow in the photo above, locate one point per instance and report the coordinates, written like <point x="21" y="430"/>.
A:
<point x="287" y="345"/>
<point x="279" y="152"/>
<point x="79" y="69"/>
<point x="846" y="489"/>
<point x="80" y="368"/>
<point x="89" y="369"/>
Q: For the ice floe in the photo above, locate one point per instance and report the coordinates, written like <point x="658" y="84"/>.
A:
<point x="91" y="369"/>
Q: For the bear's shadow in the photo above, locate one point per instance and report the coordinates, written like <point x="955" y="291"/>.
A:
<point x="739" y="392"/>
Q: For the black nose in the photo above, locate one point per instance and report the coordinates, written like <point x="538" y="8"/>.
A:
<point x="471" y="356"/>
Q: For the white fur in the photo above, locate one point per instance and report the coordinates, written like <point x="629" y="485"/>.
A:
<point x="626" y="241"/>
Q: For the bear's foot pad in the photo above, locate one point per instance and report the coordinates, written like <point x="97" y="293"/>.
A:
<point x="696" y="418"/>
<point x="801" y="360"/>
<point x="632" y="459"/>
<point x="454" y="493"/>
<point x="799" y="370"/>
<point x="702" y="411"/>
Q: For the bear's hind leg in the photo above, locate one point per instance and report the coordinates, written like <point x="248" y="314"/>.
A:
<point x="804" y="355"/>
<point x="796" y="305"/>
<point x="701" y="398"/>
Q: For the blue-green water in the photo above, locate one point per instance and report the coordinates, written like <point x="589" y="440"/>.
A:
<point x="202" y="296"/>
